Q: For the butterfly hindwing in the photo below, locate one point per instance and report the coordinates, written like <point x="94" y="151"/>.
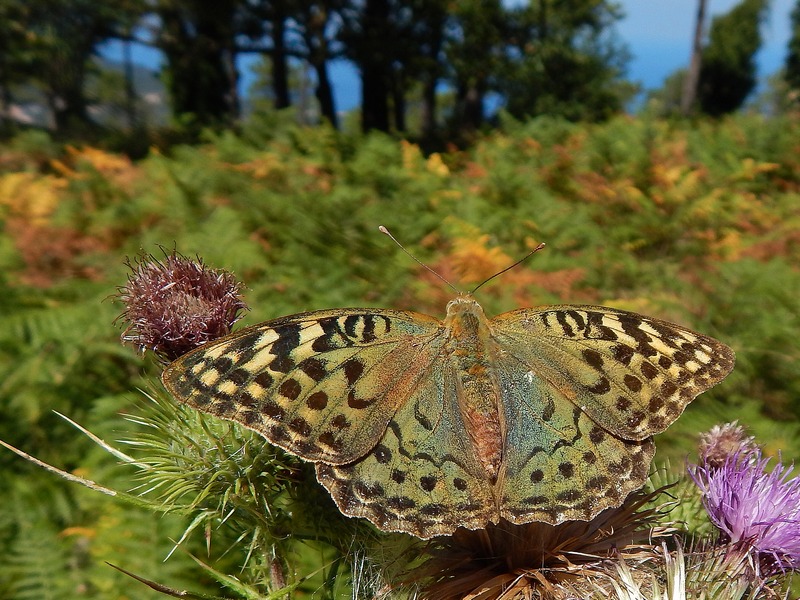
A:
<point x="322" y="385"/>
<point x="422" y="477"/>
<point x="559" y="464"/>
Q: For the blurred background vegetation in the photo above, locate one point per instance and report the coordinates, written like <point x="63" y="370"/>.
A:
<point x="689" y="214"/>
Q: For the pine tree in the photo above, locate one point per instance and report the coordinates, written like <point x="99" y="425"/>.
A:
<point x="728" y="69"/>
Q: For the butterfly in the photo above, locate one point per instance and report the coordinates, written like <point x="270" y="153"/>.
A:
<point x="423" y="426"/>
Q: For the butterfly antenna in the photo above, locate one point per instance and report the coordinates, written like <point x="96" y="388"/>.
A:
<point x="383" y="229"/>
<point x="520" y="261"/>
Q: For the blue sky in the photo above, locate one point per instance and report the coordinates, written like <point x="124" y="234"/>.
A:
<point x="658" y="34"/>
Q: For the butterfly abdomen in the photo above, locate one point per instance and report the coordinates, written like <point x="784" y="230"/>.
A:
<point x="478" y="388"/>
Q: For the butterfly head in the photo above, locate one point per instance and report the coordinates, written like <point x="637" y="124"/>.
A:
<point x="463" y="303"/>
<point x="464" y="314"/>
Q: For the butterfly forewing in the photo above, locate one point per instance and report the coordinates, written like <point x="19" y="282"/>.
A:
<point x="316" y="384"/>
<point x="632" y="375"/>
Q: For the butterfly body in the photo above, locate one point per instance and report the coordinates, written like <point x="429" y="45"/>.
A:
<point x="424" y="426"/>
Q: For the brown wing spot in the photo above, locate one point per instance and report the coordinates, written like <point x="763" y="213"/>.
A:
<point x="656" y="403"/>
<point x="598" y="330"/>
<point x="239" y="376"/>
<point x="570" y="496"/>
<point x="290" y="389"/>
<point x="317" y="401"/>
<point x="340" y="422"/>
<point x="273" y="411"/>
<point x="314" y="368"/>
<point x="567" y="470"/>
<point x="634" y="384"/>
<point x="668" y="388"/>
<point x="601" y="386"/>
<point x="664" y="362"/>
<point x="400" y="503"/>
<point x="649" y="370"/>
<point x="459" y="484"/>
<point x="398" y="476"/>
<point x="353" y="369"/>
<point x="621" y="467"/>
<point x="566" y="327"/>
<point x="622" y="353"/>
<point x="301" y="426"/>
<point x="636" y="418"/>
<point x="277" y="434"/>
<point x="246" y="399"/>
<point x="537" y="476"/>
<point x="549" y="409"/>
<point x="681" y="358"/>
<point x="623" y="403"/>
<point x="382" y="454"/>
<point x="589" y="457"/>
<point x="593" y="358"/>
<point x="368" y="491"/>
<point x="223" y="364"/>
<point x="264" y="379"/>
<point x="251" y="418"/>
<point x="282" y="363"/>
<point x="331" y="441"/>
<point x="596" y="435"/>
<point x="433" y="510"/>
<point x="427" y="483"/>
<point x="358" y="403"/>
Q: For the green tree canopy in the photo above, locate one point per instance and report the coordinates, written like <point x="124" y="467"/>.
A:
<point x="728" y="69"/>
<point x="564" y="59"/>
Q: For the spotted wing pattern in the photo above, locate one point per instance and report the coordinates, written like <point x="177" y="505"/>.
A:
<point x="379" y="401"/>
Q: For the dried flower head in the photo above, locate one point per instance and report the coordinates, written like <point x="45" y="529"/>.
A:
<point x="176" y="304"/>
<point x="755" y="510"/>
<point x="536" y="560"/>
<point x="723" y="441"/>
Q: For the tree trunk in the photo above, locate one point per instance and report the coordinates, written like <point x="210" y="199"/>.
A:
<point x="130" y="91"/>
<point x="428" y="108"/>
<point x="374" y="67"/>
<point x="374" y="93"/>
<point x="68" y="101"/>
<point x="324" y="93"/>
<point x="200" y="63"/>
<point x="280" y="67"/>
<point x="398" y="101"/>
<point x="689" y="92"/>
<point x="470" y="105"/>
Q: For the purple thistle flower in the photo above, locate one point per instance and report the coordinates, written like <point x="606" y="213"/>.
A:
<point x="175" y="305"/>
<point x="755" y="510"/>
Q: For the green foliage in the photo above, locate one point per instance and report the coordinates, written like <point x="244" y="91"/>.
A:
<point x="727" y="67"/>
<point x="568" y="63"/>
<point x="692" y="223"/>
